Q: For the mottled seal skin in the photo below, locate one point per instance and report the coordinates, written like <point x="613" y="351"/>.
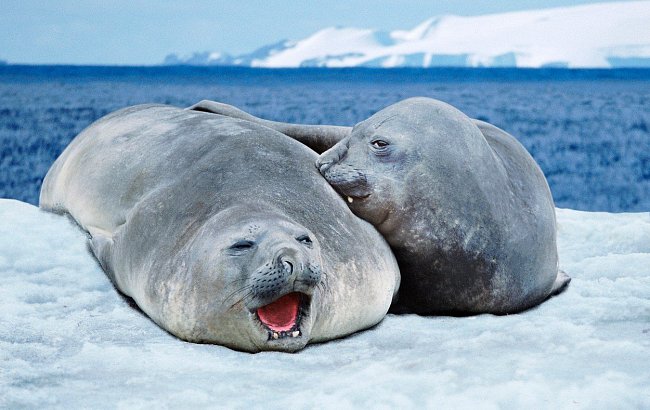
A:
<point x="464" y="207"/>
<point x="204" y="219"/>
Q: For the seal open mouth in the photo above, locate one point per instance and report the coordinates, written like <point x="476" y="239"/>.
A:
<point x="283" y="316"/>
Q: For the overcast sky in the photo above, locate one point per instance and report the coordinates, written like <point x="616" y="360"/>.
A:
<point x="134" y="32"/>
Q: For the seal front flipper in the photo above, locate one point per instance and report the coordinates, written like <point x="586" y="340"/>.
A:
<point x="320" y="138"/>
<point x="101" y="243"/>
<point x="214" y="107"/>
<point x="561" y="283"/>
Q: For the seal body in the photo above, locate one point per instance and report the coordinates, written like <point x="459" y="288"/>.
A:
<point x="465" y="208"/>
<point x="221" y="230"/>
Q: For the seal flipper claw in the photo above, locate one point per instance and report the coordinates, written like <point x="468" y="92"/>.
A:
<point x="561" y="283"/>
<point x="100" y="244"/>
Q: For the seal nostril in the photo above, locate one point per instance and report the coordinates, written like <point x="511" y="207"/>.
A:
<point x="288" y="266"/>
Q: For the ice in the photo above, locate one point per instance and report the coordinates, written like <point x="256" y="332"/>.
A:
<point x="69" y="340"/>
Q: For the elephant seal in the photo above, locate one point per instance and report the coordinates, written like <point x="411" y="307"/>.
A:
<point x="463" y="205"/>
<point x="221" y="230"/>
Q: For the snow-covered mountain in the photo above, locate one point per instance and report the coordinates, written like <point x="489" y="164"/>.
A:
<point x="594" y="35"/>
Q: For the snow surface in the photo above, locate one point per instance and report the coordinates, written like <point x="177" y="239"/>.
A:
<point x="592" y="35"/>
<point x="68" y="340"/>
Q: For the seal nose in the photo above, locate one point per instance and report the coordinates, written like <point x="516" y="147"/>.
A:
<point x="286" y="261"/>
<point x="332" y="156"/>
<point x="288" y="266"/>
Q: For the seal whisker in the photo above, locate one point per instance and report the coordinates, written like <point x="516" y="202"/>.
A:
<point x="246" y="288"/>
<point x="244" y="296"/>
<point x="236" y="281"/>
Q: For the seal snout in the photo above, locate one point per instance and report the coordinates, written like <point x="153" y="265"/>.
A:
<point x="283" y="289"/>
<point x="323" y="165"/>
<point x="332" y="156"/>
<point x="348" y="181"/>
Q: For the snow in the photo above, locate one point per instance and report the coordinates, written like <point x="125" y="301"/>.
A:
<point x="68" y="340"/>
<point x="328" y="44"/>
<point x="591" y="35"/>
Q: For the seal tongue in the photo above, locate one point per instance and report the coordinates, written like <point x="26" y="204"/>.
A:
<point x="282" y="314"/>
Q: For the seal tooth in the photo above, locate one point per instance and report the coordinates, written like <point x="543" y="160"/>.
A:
<point x="275" y="335"/>
<point x="295" y="333"/>
<point x="350" y="200"/>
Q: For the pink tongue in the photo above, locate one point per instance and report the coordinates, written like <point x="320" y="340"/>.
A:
<point x="282" y="314"/>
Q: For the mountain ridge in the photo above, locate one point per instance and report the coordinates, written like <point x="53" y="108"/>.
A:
<point x="598" y="35"/>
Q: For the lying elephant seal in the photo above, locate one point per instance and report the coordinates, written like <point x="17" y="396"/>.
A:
<point x="221" y="230"/>
<point x="465" y="208"/>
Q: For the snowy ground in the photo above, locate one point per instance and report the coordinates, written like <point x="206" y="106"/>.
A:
<point x="68" y="340"/>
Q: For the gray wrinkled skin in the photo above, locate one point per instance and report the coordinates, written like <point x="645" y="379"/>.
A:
<point x="202" y="219"/>
<point x="465" y="208"/>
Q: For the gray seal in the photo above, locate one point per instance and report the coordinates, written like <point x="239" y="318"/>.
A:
<point x="221" y="230"/>
<point x="464" y="207"/>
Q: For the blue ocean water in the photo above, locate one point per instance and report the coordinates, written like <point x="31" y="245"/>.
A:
<point x="589" y="130"/>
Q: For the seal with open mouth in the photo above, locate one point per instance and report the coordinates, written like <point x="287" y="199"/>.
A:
<point x="221" y="230"/>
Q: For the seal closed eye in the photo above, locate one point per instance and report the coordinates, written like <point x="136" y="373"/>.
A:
<point x="242" y="245"/>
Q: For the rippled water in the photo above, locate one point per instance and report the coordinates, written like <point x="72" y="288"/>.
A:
<point x="588" y="129"/>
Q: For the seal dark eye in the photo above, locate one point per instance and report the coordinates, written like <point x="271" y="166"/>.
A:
<point x="305" y="240"/>
<point x="379" y="144"/>
<point x="242" y="245"/>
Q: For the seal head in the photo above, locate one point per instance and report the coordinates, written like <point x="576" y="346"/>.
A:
<point x="259" y="278"/>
